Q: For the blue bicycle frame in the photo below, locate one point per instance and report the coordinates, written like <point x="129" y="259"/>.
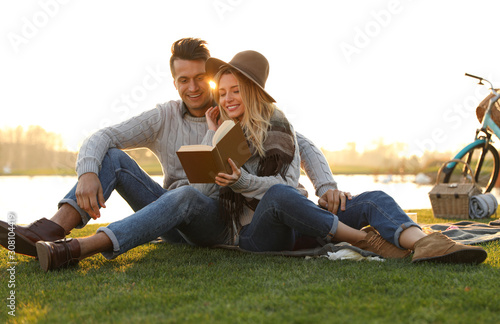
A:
<point x="466" y="149"/>
<point x="488" y="123"/>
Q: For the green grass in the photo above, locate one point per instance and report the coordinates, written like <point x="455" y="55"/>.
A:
<point x="182" y="284"/>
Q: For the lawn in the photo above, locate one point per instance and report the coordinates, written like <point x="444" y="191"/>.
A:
<point x="182" y="284"/>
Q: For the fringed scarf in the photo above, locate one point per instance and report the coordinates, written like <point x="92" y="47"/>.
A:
<point x="279" y="148"/>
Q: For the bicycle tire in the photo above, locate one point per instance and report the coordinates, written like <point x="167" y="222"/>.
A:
<point x="485" y="173"/>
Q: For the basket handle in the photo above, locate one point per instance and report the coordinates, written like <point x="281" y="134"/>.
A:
<point x="457" y="161"/>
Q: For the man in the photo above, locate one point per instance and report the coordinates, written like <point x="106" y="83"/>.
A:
<point x="102" y="168"/>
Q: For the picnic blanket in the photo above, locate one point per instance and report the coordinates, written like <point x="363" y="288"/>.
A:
<point x="339" y="251"/>
<point x="468" y="232"/>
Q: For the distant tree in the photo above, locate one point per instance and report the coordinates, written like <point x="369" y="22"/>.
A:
<point x="385" y="158"/>
<point x="33" y="148"/>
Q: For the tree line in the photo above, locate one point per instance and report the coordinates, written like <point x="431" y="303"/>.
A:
<point x="33" y="149"/>
<point x="383" y="158"/>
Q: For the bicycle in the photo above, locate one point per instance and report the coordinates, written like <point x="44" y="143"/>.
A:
<point x="480" y="155"/>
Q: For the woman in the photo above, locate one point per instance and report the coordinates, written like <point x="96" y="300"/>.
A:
<point x="275" y="157"/>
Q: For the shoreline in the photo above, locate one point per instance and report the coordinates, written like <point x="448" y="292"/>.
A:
<point x="154" y="172"/>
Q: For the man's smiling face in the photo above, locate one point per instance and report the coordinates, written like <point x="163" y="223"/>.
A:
<point x="191" y="82"/>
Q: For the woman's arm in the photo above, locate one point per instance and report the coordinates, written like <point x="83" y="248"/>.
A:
<point x="253" y="186"/>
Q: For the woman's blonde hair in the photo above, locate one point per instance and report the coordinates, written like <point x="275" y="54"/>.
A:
<point x="258" y="108"/>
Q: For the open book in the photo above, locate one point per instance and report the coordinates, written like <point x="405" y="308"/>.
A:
<point x="203" y="162"/>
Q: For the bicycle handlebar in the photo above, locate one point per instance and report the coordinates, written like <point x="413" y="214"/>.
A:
<point x="481" y="82"/>
<point x="473" y="76"/>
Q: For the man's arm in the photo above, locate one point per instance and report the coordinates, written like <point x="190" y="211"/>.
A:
<point x="318" y="171"/>
<point x="315" y="165"/>
<point x="136" y="132"/>
<point x="139" y="131"/>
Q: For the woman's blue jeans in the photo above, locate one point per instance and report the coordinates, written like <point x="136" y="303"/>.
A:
<point x="283" y="213"/>
<point x="177" y="214"/>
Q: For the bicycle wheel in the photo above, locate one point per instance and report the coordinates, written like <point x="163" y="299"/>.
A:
<point x="485" y="172"/>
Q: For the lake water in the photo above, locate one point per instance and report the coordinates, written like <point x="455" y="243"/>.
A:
<point x="34" y="197"/>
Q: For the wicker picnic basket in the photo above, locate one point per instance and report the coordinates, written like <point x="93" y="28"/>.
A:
<point x="451" y="200"/>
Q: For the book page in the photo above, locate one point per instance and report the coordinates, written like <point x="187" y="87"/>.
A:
<point x="223" y="129"/>
<point x="188" y="148"/>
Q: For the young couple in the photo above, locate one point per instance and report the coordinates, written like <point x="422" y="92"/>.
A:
<point x="260" y="206"/>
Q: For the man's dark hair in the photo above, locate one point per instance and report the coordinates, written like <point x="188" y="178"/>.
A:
<point x="188" y="49"/>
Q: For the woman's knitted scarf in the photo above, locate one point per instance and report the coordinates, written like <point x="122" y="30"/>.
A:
<point x="279" y="148"/>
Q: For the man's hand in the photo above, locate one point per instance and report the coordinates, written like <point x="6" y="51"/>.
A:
<point x="224" y="179"/>
<point x="332" y="199"/>
<point x="89" y="194"/>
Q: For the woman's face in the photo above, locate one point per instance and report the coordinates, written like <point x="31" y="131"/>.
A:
<point x="229" y="96"/>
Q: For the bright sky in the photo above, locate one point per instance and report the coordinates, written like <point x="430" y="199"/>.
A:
<point x="343" y="71"/>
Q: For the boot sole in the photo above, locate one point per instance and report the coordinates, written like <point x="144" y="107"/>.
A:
<point x="23" y="245"/>
<point x="463" y="256"/>
<point x="43" y="256"/>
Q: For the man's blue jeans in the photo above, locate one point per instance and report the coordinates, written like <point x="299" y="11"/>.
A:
<point x="284" y="212"/>
<point x="185" y="209"/>
<point x="158" y="212"/>
<point x="119" y="171"/>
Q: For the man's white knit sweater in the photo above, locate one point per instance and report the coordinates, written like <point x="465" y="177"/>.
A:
<point x="164" y="130"/>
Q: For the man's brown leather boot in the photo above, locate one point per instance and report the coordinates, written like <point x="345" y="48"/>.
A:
<point x="26" y="237"/>
<point x="58" y="254"/>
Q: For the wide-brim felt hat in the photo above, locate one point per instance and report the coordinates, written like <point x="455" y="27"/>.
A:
<point x="251" y="64"/>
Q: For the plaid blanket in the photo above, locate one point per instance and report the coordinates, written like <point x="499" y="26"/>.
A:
<point x="319" y="251"/>
<point x="467" y="232"/>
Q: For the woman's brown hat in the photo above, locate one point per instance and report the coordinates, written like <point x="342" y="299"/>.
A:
<point x="251" y="64"/>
